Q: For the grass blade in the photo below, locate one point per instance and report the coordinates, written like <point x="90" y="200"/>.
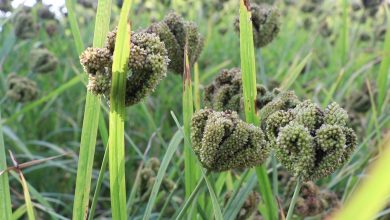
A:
<point x="239" y="200"/>
<point x="5" y="198"/>
<point x="247" y="54"/>
<point x="117" y="115"/>
<point x="172" y="147"/>
<point x="294" y="72"/>
<point x="91" y="113"/>
<point x="384" y="68"/>
<point x="191" y="172"/>
<point x="27" y="198"/>
<point x="70" y="6"/>
<point x="104" y="135"/>
<point x="196" y="87"/>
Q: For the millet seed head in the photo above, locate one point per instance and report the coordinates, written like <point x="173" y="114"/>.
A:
<point x="42" y="60"/>
<point x="21" y="89"/>
<point x="225" y="92"/>
<point x="174" y="31"/>
<point x="25" y="27"/>
<point x="147" y="66"/>
<point x="311" y="143"/>
<point x="222" y="141"/>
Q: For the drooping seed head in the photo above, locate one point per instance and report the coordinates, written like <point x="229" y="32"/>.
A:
<point x="42" y="61"/>
<point x="222" y="141"/>
<point x="24" y="24"/>
<point x="310" y="142"/>
<point x="147" y="66"/>
<point x="174" y="31"/>
<point x="21" y="89"/>
<point x="225" y="92"/>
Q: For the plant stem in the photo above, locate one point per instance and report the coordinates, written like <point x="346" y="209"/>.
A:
<point x="275" y="175"/>
<point x="294" y="199"/>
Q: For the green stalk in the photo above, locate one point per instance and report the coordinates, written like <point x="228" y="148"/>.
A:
<point x="249" y="89"/>
<point x="294" y="199"/>
<point x="5" y="198"/>
<point x="345" y="32"/>
<point x="117" y="115"/>
<point x="196" y="87"/>
<point x="384" y="68"/>
<point x="191" y="172"/>
<point x="91" y="112"/>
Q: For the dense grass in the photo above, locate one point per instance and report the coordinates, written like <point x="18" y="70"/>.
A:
<point x="67" y="119"/>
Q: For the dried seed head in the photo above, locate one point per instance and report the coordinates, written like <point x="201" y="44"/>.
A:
<point x="174" y="31"/>
<point x="21" y="89"/>
<point x="222" y="141"/>
<point x="42" y="60"/>
<point x="225" y="92"/>
<point x="266" y="24"/>
<point x="309" y="142"/>
<point x="147" y="66"/>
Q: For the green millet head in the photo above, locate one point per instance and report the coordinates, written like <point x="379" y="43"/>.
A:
<point x="266" y="24"/>
<point x="42" y="61"/>
<point x="147" y="66"/>
<point x="225" y="92"/>
<point x="174" y="31"/>
<point x="310" y="142"/>
<point x="282" y="101"/>
<point x="154" y="164"/>
<point x="25" y="27"/>
<point x="21" y="89"/>
<point x="222" y="141"/>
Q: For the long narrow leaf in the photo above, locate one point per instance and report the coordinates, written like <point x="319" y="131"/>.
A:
<point x="249" y="89"/>
<point x="383" y="76"/>
<point x="191" y="172"/>
<point x="117" y="115"/>
<point x="172" y="147"/>
<point x="5" y="198"/>
<point x="91" y="114"/>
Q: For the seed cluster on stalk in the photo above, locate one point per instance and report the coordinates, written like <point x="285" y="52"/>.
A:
<point x="222" y="141"/>
<point x="309" y="142"/>
<point x="21" y="89"/>
<point x="42" y="60"/>
<point x="147" y="66"/>
<point x="176" y="32"/>
<point x="226" y="93"/>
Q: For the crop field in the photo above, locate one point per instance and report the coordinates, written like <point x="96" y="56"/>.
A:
<point x="195" y="109"/>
